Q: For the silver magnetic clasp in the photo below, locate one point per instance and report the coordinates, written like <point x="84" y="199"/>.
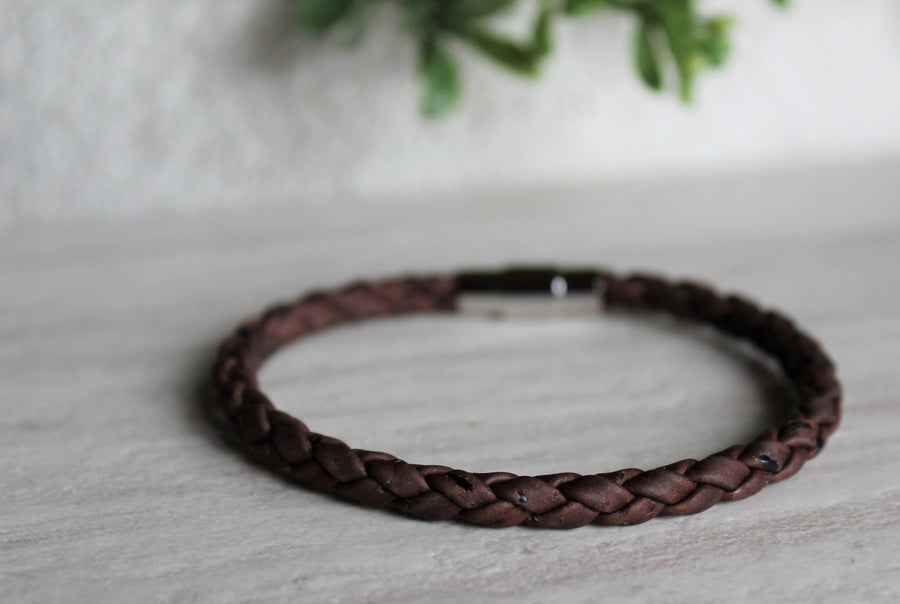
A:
<point x="530" y="293"/>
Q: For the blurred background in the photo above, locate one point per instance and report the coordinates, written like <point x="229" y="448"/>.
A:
<point x="152" y="107"/>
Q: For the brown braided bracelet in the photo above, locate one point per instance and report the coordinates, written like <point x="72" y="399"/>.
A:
<point x="500" y="499"/>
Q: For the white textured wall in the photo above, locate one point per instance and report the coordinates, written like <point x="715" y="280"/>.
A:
<point x="148" y="106"/>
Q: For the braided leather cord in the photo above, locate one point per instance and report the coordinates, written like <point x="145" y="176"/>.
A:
<point x="501" y="499"/>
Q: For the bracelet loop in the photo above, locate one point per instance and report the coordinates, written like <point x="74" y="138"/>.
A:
<point x="498" y="499"/>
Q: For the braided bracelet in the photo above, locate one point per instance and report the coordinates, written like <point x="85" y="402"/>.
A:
<point x="500" y="499"/>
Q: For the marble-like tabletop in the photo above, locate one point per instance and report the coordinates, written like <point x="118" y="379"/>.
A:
<point x="116" y="488"/>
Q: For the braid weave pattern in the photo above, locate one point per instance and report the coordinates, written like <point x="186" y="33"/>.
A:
<point x="500" y="499"/>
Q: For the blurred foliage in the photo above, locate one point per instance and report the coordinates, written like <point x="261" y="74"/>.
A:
<point x="670" y="35"/>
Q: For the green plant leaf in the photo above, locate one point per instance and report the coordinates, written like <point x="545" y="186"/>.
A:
<point x="520" y="59"/>
<point x="582" y="7"/>
<point x="418" y="15"/>
<point x="715" y="44"/>
<point x="441" y="79"/>
<point x="320" y="15"/>
<point x="356" y="20"/>
<point x="678" y="21"/>
<point x="541" y="42"/>
<point x="474" y="9"/>
<point x="645" y="57"/>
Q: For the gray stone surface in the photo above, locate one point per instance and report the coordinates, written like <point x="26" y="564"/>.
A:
<point x="114" y="488"/>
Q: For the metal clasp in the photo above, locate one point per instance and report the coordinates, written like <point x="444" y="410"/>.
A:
<point x="530" y="292"/>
